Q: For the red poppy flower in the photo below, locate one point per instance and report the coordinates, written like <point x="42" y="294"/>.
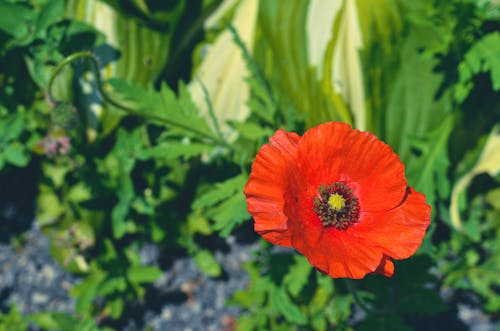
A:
<point x="340" y="197"/>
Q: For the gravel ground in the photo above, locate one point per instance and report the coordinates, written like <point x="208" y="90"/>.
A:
<point x="183" y="299"/>
<point x="187" y="300"/>
<point x="31" y="279"/>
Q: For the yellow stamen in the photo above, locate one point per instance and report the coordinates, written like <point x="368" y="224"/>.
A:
<point x="336" y="201"/>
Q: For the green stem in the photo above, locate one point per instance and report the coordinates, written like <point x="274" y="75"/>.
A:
<point x="131" y="111"/>
<point x="211" y="110"/>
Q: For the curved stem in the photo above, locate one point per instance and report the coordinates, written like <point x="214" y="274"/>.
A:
<point x="131" y="111"/>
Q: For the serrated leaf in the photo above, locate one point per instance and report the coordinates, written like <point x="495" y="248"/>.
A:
<point x="281" y="302"/>
<point x="229" y="214"/>
<point x="298" y="274"/>
<point x="482" y="57"/>
<point x="176" y="111"/>
<point x="221" y="191"/>
<point x="207" y="263"/>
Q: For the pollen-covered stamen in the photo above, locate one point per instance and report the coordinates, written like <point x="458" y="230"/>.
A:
<point x="336" y="206"/>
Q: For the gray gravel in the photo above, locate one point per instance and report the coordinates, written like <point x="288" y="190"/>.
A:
<point x="31" y="279"/>
<point x="182" y="299"/>
<point x="193" y="301"/>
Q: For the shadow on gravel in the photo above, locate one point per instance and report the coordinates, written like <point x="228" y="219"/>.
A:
<point x="444" y="321"/>
<point x="18" y="191"/>
<point x="4" y="295"/>
<point x="137" y="312"/>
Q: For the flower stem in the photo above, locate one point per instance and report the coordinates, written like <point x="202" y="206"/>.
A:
<point x="131" y="111"/>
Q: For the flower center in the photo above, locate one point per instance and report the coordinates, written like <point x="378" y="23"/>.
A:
<point x="336" y="206"/>
<point x="336" y="201"/>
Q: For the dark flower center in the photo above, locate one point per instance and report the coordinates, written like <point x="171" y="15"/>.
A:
<point x="336" y="206"/>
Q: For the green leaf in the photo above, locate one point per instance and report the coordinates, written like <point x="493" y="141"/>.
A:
<point x="174" y="149"/>
<point x="15" y="154"/>
<point x="252" y="131"/>
<point x="221" y="191"/>
<point x="207" y="263"/>
<point x="298" y="274"/>
<point x="220" y="77"/>
<point x="482" y="57"/>
<point x="116" y="307"/>
<point x="13" y="320"/>
<point x="229" y="214"/>
<point x="428" y="173"/>
<point x="86" y="291"/>
<point x="143" y="274"/>
<point x="281" y="302"/>
<point x="180" y="112"/>
<point x="55" y="321"/>
<point x="49" y="208"/>
<point x="143" y="49"/>
<point x="285" y="53"/>
<point x="12" y="127"/>
<point x="15" y="19"/>
<point x="411" y="109"/>
<point x="120" y="211"/>
<point x="50" y="13"/>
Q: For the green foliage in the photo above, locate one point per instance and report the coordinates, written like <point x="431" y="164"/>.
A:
<point x="117" y="276"/>
<point x="291" y="75"/>
<point x="473" y="264"/>
<point x="481" y="57"/>
<point x="12" y="149"/>
<point x="13" y="320"/>
<point x="289" y="295"/>
<point x="64" y="322"/>
<point x="165" y="105"/>
<point x="224" y="204"/>
<point x="429" y="170"/>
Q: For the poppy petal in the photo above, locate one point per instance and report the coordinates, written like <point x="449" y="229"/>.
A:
<point x="386" y="267"/>
<point x="400" y="231"/>
<point x="267" y="184"/>
<point x="333" y="152"/>
<point x="336" y="253"/>
<point x="283" y="191"/>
